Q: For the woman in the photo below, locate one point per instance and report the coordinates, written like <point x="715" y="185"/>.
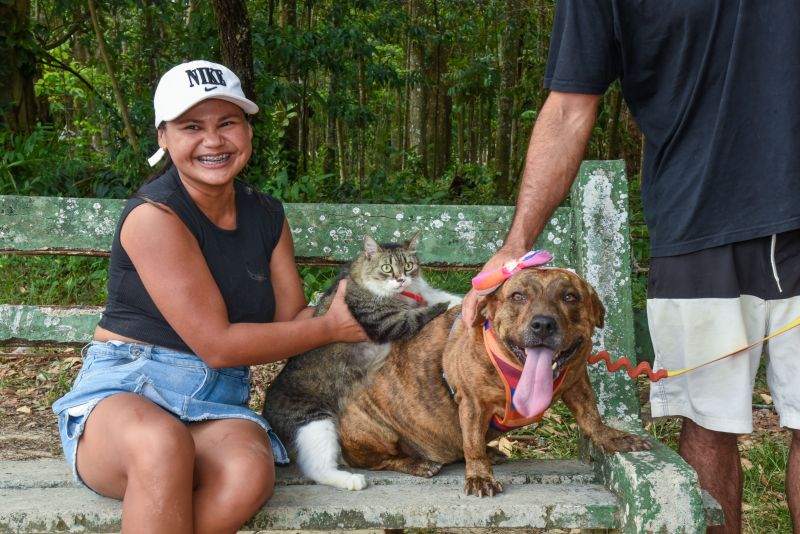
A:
<point x="202" y="284"/>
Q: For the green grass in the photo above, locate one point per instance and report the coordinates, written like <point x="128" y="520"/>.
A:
<point x="65" y="280"/>
<point x="60" y="280"/>
<point x="764" y="467"/>
<point x="555" y="436"/>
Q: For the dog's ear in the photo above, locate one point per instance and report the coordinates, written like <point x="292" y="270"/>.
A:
<point x="485" y="308"/>
<point x="598" y="310"/>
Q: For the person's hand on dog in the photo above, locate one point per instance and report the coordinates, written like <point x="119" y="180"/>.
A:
<point x="469" y="306"/>
<point x="343" y="326"/>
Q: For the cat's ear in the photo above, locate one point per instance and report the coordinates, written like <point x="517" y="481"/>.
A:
<point x="411" y="244"/>
<point x="371" y="247"/>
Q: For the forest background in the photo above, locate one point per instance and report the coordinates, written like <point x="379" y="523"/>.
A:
<point x="395" y="101"/>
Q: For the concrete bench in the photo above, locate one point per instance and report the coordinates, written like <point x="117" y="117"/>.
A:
<point x="652" y="491"/>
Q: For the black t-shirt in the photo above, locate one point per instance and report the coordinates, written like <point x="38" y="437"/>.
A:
<point x="238" y="260"/>
<point x="715" y="87"/>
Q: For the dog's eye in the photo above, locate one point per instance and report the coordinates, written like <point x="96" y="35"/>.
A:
<point x="570" y="297"/>
<point x="386" y="268"/>
<point x="518" y="298"/>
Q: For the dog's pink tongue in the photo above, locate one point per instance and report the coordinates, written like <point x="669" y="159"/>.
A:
<point x="534" y="391"/>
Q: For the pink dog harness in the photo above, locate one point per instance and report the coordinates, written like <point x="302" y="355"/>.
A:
<point x="510" y="372"/>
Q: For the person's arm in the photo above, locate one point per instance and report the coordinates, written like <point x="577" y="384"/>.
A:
<point x="290" y="301"/>
<point x="554" y="155"/>
<point x="176" y="276"/>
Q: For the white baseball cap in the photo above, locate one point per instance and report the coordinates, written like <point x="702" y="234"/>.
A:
<point x="188" y="84"/>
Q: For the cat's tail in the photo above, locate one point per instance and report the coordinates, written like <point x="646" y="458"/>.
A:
<point x="318" y="451"/>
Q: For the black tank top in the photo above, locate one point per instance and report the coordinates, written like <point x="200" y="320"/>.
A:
<point x="238" y="259"/>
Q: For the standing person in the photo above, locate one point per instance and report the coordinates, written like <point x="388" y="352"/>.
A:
<point x="202" y="284"/>
<point x="714" y="87"/>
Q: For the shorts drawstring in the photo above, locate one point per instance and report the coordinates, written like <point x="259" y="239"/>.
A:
<point x="772" y="261"/>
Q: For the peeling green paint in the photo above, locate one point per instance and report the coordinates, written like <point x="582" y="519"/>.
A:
<point x="600" y="208"/>
<point x="449" y="235"/>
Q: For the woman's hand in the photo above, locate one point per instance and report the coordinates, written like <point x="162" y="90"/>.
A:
<point x="343" y="327"/>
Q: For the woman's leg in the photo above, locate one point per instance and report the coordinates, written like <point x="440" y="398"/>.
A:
<point x="234" y="473"/>
<point x="133" y="450"/>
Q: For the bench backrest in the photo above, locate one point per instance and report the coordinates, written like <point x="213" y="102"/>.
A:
<point x="590" y="235"/>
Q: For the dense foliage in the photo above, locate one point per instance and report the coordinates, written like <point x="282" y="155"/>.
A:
<point x="384" y="100"/>
<point x="427" y="101"/>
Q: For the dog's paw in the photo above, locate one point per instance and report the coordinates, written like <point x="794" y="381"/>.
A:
<point x="422" y="468"/>
<point x="480" y="486"/>
<point x="427" y="469"/>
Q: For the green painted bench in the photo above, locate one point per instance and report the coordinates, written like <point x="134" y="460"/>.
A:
<point x="631" y="492"/>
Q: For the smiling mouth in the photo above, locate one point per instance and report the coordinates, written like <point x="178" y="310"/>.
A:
<point x="560" y="360"/>
<point x="215" y="159"/>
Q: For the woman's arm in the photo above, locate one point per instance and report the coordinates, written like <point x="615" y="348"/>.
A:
<point x="176" y="276"/>
<point x="289" y="297"/>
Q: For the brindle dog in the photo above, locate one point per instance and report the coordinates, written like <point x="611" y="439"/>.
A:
<point x="433" y="400"/>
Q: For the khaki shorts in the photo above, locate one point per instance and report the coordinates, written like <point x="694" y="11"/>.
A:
<point x="706" y="304"/>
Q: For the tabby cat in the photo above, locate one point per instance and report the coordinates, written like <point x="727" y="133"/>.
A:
<point x="389" y="298"/>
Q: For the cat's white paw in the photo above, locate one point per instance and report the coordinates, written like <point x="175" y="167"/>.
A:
<point x="357" y="482"/>
<point x="344" y="480"/>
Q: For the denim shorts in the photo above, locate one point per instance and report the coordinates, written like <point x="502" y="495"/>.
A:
<point x="179" y="382"/>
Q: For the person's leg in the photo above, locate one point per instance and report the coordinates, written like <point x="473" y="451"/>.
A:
<point x="133" y="450"/>
<point x="715" y="457"/>
<point x="234" y="473"/>
<point x="793" y="481"/>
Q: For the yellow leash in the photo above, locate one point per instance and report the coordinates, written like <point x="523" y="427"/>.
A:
<point x="655" y="376"/>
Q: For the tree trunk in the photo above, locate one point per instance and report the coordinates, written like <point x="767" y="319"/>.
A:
<point x="291" y="138"/>
<point x="613" y="126"/>
<point x="461" y="146"/>
<point x="406" y="145"/>
<point x="440" y="126"/>
<point x="331" y="144"/>
<point x="17" y="97"/>
<point x="509" y="55"/>
<point x="397" y="127"/>
<point x="418" y="102"/>
<point x="236" y="43"/>
<point x="329" y="163"/>
<point x="472" y="131"/>
<point x="362" y="104"/>
<point x="340" y="150"/>
<point x="305" y="109"/>
<point x="123" y="108"/>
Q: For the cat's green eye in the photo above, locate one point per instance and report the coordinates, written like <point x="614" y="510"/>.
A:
<point x="409" y="266"/>
<point x="386" y="268"/>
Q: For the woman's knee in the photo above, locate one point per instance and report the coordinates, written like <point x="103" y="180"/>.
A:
<point x="242" y="480"/>
<point x="130" y="439"/>
<point x="163" y="446"/>
<point x="249" y="477"/>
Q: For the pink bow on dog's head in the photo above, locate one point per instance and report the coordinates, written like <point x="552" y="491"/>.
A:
<point x="487" y="282"/>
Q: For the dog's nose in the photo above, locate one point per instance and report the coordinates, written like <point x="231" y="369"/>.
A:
<point x="544" y="326"/>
